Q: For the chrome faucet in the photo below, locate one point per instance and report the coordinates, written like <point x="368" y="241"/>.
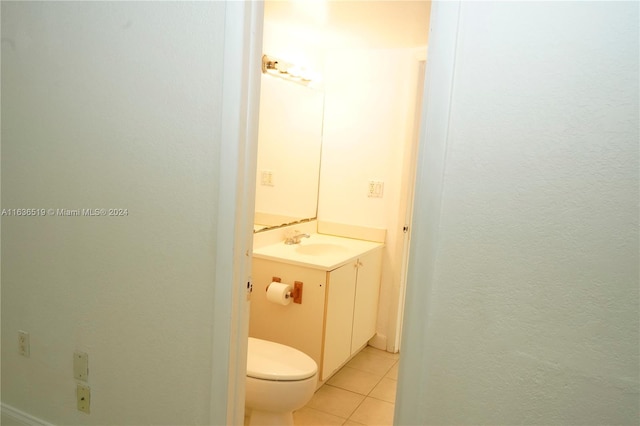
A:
<point x="295" y="238"/>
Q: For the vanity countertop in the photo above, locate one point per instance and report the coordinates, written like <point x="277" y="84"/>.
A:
<point x="319" y="251"/>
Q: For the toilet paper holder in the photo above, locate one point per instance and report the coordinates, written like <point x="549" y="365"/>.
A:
<point x="296" y="293"/>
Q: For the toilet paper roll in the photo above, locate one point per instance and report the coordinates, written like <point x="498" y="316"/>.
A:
<point x="279" y="293"/>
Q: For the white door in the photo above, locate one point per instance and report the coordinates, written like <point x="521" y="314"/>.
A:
<point x="410" y="194"/>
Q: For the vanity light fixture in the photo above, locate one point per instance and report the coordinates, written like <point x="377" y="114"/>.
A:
<point x="287" y="71"/>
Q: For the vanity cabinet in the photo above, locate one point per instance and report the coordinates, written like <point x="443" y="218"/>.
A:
<point x="341" y="293"/>
<point x="337" y="315"/>
<point x="351" y="309"/>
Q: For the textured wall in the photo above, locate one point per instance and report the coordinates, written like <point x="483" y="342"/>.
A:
<point x="531" y="276"/>
<point x="110" y="105"/>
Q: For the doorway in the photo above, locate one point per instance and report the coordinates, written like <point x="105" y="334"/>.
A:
<point x="391" y="314"/>
<point x="370" y="79"/>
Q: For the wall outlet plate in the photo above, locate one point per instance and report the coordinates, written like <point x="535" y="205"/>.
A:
<point x="81" y="366"/>
<point x="266" y="178"/>
<point x="83" y="395"/>
<point x="375" y="189"/>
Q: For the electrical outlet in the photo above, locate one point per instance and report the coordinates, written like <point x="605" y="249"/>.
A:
<point x="81" y="366"/>
<point x="375" y="189"/>
<point x="266" y="178"/>
<point x="24" y="347"/>
<point x="83" y="395"/>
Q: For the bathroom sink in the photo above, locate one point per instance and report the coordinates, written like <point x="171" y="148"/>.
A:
<point x="319" y="249"/>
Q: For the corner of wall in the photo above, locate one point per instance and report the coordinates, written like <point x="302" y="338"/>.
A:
<point x="352" y="231"/>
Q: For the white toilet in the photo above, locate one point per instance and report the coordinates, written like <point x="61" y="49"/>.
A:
<point x="280" y="379"/>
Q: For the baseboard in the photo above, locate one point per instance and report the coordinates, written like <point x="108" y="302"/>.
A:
<point x="379" y="341"/>
<point x="21" y="418"/>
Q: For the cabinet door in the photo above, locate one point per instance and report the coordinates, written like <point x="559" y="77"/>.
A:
<point x="365" y="311"/>
<point x="338" y="318"/>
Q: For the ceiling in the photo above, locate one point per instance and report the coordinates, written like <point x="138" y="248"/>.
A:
<point x="355" y="23"/>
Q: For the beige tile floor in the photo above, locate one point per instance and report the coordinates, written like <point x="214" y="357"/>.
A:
<point x="363" y="392"/>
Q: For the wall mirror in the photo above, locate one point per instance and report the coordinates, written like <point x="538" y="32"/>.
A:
<point x="289" y="145"/>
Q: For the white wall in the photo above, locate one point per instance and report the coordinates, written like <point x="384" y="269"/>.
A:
<point x="111" y="105"/>
<point x="368" y="126"/>
<point x="522" y="305"/>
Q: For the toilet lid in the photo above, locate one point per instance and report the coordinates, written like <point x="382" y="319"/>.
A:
<point x="273" y="361"/>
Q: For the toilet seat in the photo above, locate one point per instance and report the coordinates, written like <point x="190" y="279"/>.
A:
<point x="273" y="361"/>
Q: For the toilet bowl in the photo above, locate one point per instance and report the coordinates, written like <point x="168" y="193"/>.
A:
<point x="280" y="379"/>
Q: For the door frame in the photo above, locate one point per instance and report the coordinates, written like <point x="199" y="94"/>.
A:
<point x="235" y="199"/>
<point x="241" y="98"/>
<point x="408" y="201"/>
<point x="430" y="173"/>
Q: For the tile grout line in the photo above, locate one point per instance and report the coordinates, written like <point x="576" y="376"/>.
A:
<point x="369" y="393"/>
